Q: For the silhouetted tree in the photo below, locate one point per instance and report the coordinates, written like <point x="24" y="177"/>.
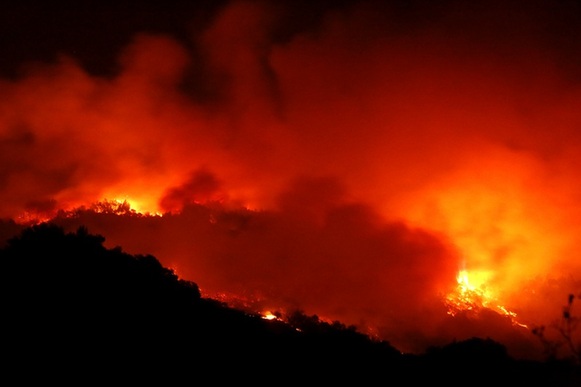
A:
<point x="567" y="328"/>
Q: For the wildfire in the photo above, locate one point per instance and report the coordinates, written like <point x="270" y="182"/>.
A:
<point x="472" y="294"/>
<point x="122" y="207"/>
<point x="104" y="206"/>
<point x="268" y="315"/>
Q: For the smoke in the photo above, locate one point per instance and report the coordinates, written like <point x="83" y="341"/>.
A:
<point x="344" y="159"/>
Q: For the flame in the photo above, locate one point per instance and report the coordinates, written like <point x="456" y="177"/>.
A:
<point x="125" y="205"/>
<point x="473" y="294"/>
<point x="105" y="206"/>
<point x="268" y="315"/>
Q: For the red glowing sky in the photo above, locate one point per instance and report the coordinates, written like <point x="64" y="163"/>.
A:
<point x="362" y="152"/>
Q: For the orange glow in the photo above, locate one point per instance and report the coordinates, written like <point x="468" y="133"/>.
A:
<point x="109" y="206"/>
<point x="267" y="315"/>
<point x="472" y="294"/>
<point x="509" y="229"/>
<point x="142" y="207"/>
<point x="343" y="160"/>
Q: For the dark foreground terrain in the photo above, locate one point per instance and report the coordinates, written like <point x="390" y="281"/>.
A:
<point x="74" y="312"/>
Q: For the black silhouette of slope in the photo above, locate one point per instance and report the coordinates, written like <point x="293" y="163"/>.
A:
<point x="76" y="312"/>
<point x="8" y="229"/>
<point x="68" y="302"/>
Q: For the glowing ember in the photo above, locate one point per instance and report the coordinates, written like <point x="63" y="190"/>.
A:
<point x="268" y="315"/>
<point x="474" y="295"/>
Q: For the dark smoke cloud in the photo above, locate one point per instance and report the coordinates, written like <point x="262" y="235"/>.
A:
<point x="202" y="187"/>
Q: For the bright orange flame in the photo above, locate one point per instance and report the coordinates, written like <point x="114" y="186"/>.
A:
<point x="111" y="206"/>
<point x="474" y="295"/>
<point x="512" y="231"/>
<point x="268" y="315"/>
<point x="133" y="205"/>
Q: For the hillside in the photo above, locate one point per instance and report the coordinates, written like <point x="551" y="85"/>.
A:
<point x="75" y="311"/>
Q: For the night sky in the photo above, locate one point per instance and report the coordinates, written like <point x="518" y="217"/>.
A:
<point x="348" y="158"/>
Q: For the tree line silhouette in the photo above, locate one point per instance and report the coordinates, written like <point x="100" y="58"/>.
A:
<point x="75" y="311"/>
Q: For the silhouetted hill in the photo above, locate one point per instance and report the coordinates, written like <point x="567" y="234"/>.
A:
<point x="75" y="311"/>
